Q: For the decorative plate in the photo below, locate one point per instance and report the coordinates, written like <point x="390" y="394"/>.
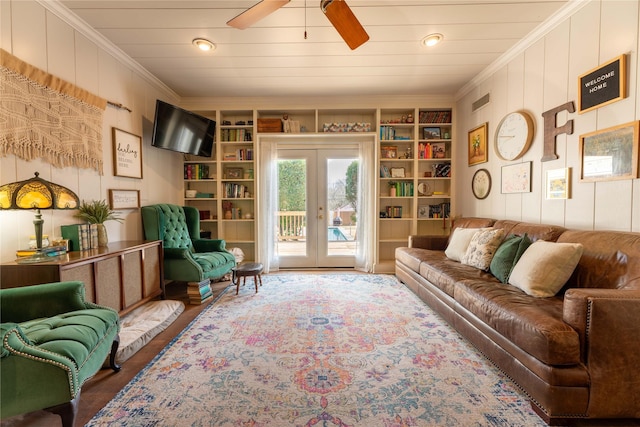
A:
<point x="424" y="189"/>
<point x="481" y="184"/>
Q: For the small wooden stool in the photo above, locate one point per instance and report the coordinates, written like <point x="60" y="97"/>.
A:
<point x="249" y="269"/>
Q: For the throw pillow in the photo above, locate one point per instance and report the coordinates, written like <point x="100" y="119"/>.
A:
<point x="482" y="247"/>
<point x="545" y="267"/>
<point x="507" y="255"/>
<point x="459" y="242"/>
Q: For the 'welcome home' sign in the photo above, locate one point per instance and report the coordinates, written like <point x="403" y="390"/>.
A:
<point x="602" y="85"/>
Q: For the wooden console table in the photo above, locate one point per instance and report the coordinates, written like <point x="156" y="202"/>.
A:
<point x="123" y="275"/>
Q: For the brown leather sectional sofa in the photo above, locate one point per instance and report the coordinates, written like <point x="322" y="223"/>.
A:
<point x="577" y="354"/>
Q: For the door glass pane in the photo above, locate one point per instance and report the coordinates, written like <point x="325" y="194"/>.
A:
<point x="292" y="207"/>
<point x="342" y="196"/>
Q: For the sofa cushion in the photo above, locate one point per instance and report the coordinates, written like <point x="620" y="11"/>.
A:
<point x="549" y="233"/>
<point x="533" y="324"/>
<point x="214" y="264"/>
<point x="443" y="273"/>
<point x="507" y="255"/>
<point x="545" y="267"/>
<point x="412" y="257"/>
<point x="459" y="243"/>
<point x="611" y="259"/>
<point x="482" y="247"/>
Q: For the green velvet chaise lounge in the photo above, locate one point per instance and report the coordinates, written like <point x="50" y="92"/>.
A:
<point x="52" y="342"/>
<point x="187" y="257"/>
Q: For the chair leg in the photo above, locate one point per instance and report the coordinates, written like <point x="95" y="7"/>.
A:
<point x="67" y="411"/>
<point x="112" y="356"/>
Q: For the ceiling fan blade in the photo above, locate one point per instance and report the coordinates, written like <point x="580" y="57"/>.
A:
<point x="345" y="22"/>
<point x="256" y="13"/>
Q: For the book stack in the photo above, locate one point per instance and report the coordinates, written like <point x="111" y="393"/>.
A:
<point x="81" y="236"/>
<point x="199" y="293"/>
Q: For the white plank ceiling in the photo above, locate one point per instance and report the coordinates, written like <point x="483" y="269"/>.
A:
<point x="273" y="58"/>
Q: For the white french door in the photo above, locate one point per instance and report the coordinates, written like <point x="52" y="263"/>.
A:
<point x="316" y="218"/>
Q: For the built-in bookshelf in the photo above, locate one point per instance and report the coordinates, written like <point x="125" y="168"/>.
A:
<point x="200" y="186"/>
<point x="237" y="183"/>
<point x="413" y="189"/>
<point x="414" y="184"/>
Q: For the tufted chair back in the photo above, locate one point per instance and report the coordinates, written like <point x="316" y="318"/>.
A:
<point x="169" y="224"/>
<point x="187" y="257"/>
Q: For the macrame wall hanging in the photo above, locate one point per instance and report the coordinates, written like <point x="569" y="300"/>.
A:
<point x="42" y="116"/>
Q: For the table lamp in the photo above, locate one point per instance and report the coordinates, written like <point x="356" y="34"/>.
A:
<point x="37" y="193"/>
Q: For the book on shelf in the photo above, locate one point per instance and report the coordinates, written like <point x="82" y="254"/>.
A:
<point x="387" y="133"/>
<point x="196" y="171"/>
<point x="443" y="116"/>
<point x="393" y="211"/>
<point x="432" y="150"/>
<point x="404" y="188"/>
<point x="235" y="135"/>
<point x="234" y="191"/>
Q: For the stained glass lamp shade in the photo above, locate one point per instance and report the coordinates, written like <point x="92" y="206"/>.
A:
<point x="37" y="193"/>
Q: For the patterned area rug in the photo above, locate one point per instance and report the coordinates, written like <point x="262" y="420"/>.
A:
<point x="319" y="350"/>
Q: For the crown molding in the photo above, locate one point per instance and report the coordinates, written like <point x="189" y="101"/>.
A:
<point x="534" y="36"/>
<point x="62" y="12"/>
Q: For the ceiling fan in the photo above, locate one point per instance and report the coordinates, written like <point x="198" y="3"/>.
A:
<point x="337" y="11"/>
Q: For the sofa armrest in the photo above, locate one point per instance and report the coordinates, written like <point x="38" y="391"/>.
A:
<point x="15" y="342"/>
<point x="177" y="253"/>
<point x="607" y="322"/>
<point x="434" y="243"/>
<point x="45" y="300"/>
<point x="209" y="245"/>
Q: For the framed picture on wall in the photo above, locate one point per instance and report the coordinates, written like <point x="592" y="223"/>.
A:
<point x="610" y="154"/>
<point x="558" y="183"/>
<point x="127" y="154"/>
<point x="516" y="178"/>
<point x="124" y="199"/>
<point x="477" y="144"/>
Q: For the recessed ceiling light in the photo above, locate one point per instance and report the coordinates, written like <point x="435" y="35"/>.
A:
<point x="203" y="44"/>
<point x="432" y="39"/>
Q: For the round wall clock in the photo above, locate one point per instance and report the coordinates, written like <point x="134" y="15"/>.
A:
<point x="514" y="135"/>
<point x="481" y="184"/>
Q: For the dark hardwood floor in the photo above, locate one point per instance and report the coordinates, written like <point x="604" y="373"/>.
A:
<point x="98" y="391"/>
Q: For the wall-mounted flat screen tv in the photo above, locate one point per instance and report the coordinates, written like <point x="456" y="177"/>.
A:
<point x="183" y="131"/>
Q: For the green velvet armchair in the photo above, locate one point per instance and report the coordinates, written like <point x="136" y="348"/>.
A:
<point x="52" y="342"/>
<point x="187" y="257"/>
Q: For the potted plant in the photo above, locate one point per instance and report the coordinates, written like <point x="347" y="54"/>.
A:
<point x="97" y="212"/>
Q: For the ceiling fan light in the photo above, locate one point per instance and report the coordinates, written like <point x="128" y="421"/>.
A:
<point x="432" y="39"/>
<point x="203" y="44"/>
